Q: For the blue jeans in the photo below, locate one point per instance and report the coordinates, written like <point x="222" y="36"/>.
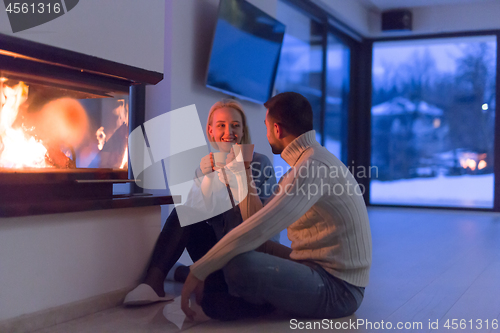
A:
<point x="258" y="283"/>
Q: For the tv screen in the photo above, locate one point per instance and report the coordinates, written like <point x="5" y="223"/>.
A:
<point x="245" y="51"/>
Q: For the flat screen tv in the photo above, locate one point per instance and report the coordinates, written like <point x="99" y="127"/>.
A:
<point x="245" y="51"/>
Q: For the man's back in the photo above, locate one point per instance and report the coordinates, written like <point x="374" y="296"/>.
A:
<point x="335" y="231"/>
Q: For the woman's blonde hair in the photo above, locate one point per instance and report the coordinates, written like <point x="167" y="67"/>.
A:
<point x="233" y="104"/>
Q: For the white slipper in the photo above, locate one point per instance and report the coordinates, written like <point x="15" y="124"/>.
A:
<point x="143" y="294"/>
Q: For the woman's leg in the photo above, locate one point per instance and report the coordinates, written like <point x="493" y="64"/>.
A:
<point x="201" y="239"/>
<point x="168" y="249"/>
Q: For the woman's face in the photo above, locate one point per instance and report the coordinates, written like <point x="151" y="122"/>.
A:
<point x="226" y="128"/>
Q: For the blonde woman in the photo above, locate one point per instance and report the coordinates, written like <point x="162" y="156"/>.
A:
<point x="226" y="125"/>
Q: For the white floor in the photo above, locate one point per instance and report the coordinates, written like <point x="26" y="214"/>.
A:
<point x="428" y="266"/>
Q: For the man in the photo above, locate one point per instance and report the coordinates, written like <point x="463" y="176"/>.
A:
<point x="327" y="268"/>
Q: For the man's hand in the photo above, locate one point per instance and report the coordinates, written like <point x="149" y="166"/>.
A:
<point x="207" y="164"/>
<point x="227" y="175"/>
<point x="192" y="285"/>
<point x="221" y="173"/>
<point x="233" y="164"/>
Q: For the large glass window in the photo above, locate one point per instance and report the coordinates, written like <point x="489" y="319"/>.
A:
<point x="302" y="69"/>
<point x="337" y="90"/>
<point x="433" y="112"/>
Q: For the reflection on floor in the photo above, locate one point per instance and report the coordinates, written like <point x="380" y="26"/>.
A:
<point x="428" y="266"/>
<point x="473" y="191"/>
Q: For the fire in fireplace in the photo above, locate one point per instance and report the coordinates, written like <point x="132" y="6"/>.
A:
<point x="44" y="127"/>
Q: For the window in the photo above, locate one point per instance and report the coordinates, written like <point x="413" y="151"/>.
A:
<point x="433" y="116"/>
<point x="337" y="90"/>
<point x="315" y="65"/>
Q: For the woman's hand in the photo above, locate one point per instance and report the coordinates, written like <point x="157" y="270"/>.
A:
<point x="192" y="285"/>
<point x="230" y="157"/>
<point x="207" y="164"/>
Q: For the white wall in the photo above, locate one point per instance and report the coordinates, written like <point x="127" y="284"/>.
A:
<point x="158" y="97"/>
<point x="351" y="12"/>
<point x="51" y="260"/>
<point x="426" y="20"/>
<point x="126" y="31"/>
<point x="462" y="17"/>
<point x="446" y="19"/>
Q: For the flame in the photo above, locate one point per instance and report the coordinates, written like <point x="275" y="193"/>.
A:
<point x="17" y="150"/>
<point x="101" y="137"/>
<point x="11" y="99"/>
<point x="122" y="112"/>
<point x="482" y="164"/>
<point x="20" y="151"/>
<point x="50" y="136"/>
<point x="125" y="159"/>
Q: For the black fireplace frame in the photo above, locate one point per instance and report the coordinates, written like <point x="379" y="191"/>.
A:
<point x="30" y="193"/>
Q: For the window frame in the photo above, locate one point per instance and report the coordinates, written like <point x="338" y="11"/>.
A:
<point x="352" y="40"/>
<point x="359" y="97"/>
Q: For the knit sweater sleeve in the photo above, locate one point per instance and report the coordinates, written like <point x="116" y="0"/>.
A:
<point x="294" y="197"/>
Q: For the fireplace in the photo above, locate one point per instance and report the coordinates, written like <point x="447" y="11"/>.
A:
<point x="64" y="124"/>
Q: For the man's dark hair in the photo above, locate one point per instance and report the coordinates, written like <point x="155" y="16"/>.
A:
<point x="292" y="111"/>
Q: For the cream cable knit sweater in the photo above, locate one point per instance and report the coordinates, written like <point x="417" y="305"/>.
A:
<point x="325" y="215"/>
